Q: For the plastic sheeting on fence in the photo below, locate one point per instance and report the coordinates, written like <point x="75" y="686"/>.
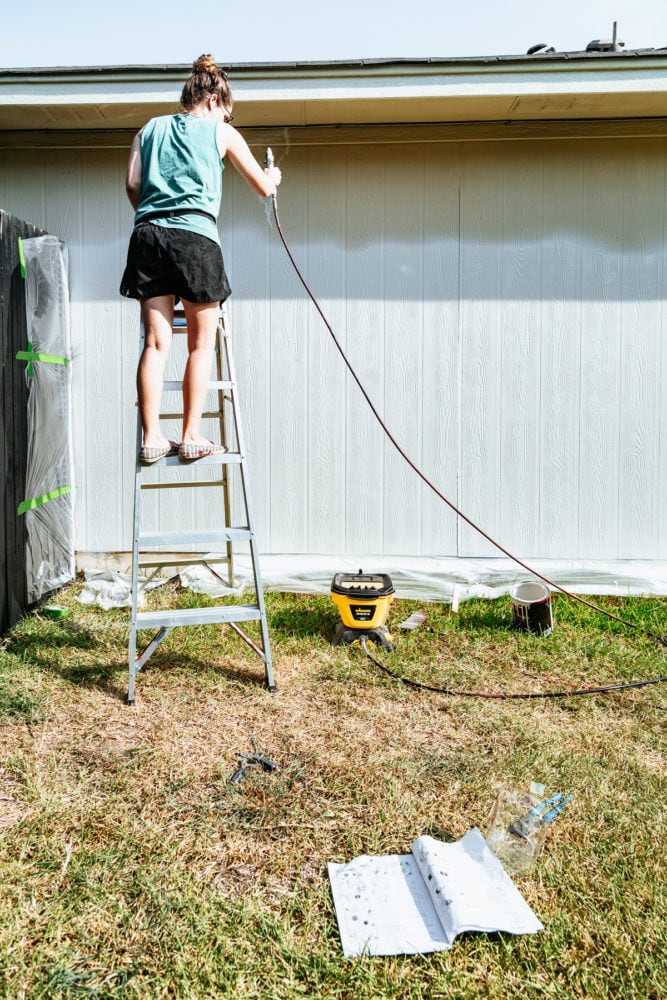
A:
<point x="49" y="499"/>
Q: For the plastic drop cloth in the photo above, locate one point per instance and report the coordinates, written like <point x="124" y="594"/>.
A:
<point x="109" y="589"/>
<point x="425" y="578"/>
<point x="49" y="496"/>
<point x="445" y="580"/>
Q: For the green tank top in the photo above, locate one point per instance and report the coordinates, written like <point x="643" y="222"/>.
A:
<point x="181" y="168"/>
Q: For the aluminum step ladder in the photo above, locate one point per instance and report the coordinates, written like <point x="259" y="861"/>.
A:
<point x="224" y="535"/>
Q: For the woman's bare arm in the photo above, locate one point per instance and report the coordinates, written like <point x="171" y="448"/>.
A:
<point x="133" y="175"/>
<point x="263" y="181"/>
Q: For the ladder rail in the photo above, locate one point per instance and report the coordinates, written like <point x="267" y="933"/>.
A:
<point x="223" y="397"/>
<point x="136" y="528"/>
<point x="245" y="487"/>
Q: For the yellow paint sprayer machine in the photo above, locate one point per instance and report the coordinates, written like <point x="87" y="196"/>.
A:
<point x="363" y="600"/>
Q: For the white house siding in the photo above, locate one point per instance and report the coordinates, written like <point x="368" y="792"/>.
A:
<point x="502" y="301"/>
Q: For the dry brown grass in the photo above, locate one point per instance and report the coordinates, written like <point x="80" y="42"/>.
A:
<point x="134" y="868"/>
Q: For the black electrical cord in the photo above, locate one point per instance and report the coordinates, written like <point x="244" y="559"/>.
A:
<point x="502" y="696"/>
<point x="575" y="597"/>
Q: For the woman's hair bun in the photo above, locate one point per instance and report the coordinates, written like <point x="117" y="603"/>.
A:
<point x="205" y="64"/>
<point x="205" y="79"/>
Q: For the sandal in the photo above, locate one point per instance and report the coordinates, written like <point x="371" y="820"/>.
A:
<point x="147" y="456"/>
<point x="188" y="451"/>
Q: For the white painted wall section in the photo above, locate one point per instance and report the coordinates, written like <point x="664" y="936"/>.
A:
<point x="503" y="303"/>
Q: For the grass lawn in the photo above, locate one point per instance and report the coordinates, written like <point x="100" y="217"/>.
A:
<point x="131" y="867"/>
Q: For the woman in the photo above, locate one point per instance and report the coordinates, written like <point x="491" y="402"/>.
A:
<point x="174" y="182"/>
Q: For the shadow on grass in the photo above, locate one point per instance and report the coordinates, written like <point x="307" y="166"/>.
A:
<point x="18" y="704"/>
<point x="33" y="632"/>
<point x="302" y="616"/>
<point x="168" y="662"/>
<point x="113" y="678"/>
<point x="51" y="648"/>
<point x="489" y="616"/>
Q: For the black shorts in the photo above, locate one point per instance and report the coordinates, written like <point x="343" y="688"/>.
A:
<point x="167" y="261"/>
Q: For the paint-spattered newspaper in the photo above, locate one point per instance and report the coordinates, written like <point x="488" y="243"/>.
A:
<point x="416" y="903"/>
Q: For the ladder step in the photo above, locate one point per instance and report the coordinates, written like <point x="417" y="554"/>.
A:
<point x="178" y="415"/>
<point x="228" y="458"/>
<point x="172" y="386"/>
<point x="181" y="485"/>
<point x="177" y="559"/>
<point x="198" y="616"/>
<point x="186" y="537"/>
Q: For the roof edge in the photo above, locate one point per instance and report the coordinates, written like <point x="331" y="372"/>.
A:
<point x="182" y="69"/>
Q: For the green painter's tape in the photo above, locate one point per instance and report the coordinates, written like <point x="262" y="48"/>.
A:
<point x="38" y="501"/>
<point x="21" y="257"/>
<point x="31" y="355"/>
<point x="27" y="356"/>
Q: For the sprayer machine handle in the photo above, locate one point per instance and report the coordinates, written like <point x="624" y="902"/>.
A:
<point x="268" y="158"/>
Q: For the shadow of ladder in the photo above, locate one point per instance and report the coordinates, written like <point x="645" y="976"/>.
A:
<point x="225" y="387"/>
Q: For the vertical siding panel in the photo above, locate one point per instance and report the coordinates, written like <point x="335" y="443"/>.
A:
<point x="603" y="249"/>
<point x="441" y="351"/>
<point x="289" y="367"/>
<point x="101" y="350"/>
<point x="327" y="373"/>
<point x="25" y="195"/>
<point x="63" y="198"/>
<point x="561" y="345"/>
<point x="519" y="402"/>
<point x="403" y="347"/>
<point x="249" y="247"/>
<point x="128" y="347"/>
<point x="365" y="475"/>
<point x="639" y="356"/>
<point x="661" y="370"/>
<point x="481" y="327"/>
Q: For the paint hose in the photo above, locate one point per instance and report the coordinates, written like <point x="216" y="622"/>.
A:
<point x="505" y="696"/>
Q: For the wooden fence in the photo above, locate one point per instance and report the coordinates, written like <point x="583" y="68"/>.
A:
<point x="13" y="421"/>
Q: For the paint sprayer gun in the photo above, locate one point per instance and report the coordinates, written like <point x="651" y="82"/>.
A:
<point x="544" y="812"/>
<point x="245" y="760"/>
<point x="269" y="164"/>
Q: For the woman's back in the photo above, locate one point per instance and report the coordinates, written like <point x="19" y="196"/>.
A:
<point x="181" y="168"/>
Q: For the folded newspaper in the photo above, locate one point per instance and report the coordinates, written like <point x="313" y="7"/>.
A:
<point x="407" y="904"/>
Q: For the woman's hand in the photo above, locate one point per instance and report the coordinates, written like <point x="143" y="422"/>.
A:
<point x="275" y="176"/>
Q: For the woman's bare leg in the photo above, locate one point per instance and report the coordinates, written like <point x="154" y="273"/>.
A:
<point x="157" y="314"/>
<point x="202" y="321"/>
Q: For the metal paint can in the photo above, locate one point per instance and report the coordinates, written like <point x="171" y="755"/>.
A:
<point x="531" y="607"/>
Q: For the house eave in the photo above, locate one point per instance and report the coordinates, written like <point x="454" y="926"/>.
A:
<point x="578" y="85"/>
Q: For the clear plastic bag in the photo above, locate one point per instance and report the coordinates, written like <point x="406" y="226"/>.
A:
<point x="514" y="833"/>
